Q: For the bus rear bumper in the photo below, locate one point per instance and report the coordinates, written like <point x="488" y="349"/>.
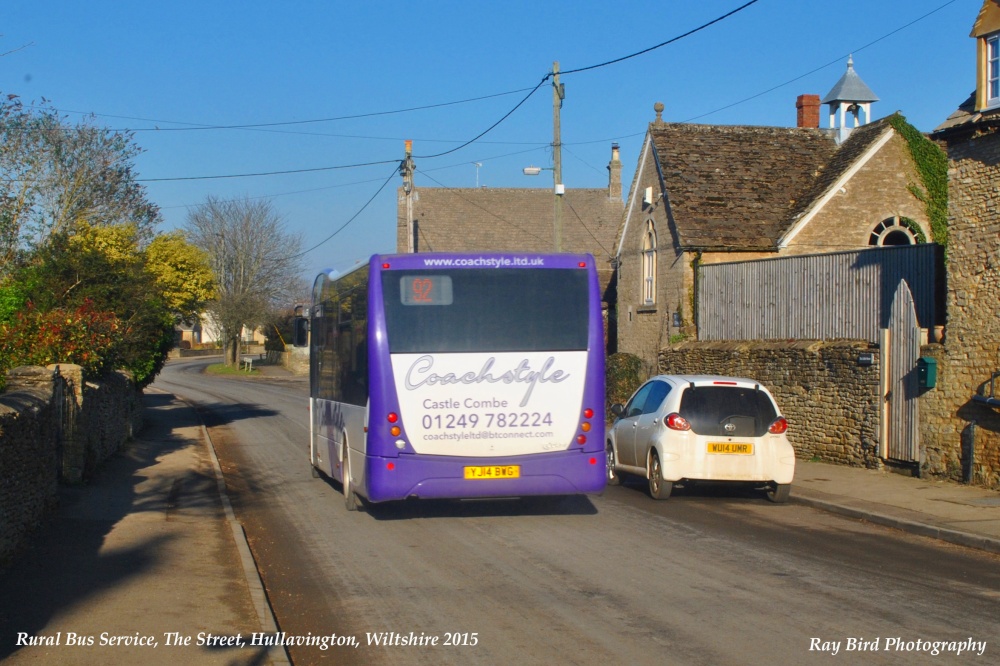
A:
<point x="434" y="477"/>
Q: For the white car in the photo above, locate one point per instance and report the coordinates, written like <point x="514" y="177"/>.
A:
<point x="691" y="428"/>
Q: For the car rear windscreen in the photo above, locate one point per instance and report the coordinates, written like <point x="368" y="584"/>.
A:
<point x="487" y="310"/>
<point x="727" y="411"/>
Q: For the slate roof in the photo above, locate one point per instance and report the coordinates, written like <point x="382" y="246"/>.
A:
<point x="966" y="117"/>
<point x="733" y="187"/>
<point x="518" y="220"/>
<point x="740" y="188"/>
<point x="850" y="88"/>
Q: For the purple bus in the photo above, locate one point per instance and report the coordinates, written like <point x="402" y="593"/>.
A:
<point x="458" y="376"/>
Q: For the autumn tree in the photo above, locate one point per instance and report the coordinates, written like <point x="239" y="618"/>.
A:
<point x="254" y="260"/>
<point x="106" y="269"/>
<point x="54" y="175"/>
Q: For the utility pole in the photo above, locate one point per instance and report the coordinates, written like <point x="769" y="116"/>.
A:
<point x="406" y="170"/>
<point x="558" y="94"/>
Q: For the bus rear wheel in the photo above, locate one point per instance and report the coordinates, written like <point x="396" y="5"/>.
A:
<point x="351" y="500"/>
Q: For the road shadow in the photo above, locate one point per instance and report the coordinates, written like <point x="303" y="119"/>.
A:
<point x="705" y="490"/>
<point x="220" y="414"/>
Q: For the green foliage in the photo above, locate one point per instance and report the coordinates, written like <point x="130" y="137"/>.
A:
<point x="106" y="267"/>
<point x="932" y="165"/>
<point x="83" y="335"/>
<point x="623" y="375"/>
<point x="279" y="333"/>
<point x="75" y="250"/>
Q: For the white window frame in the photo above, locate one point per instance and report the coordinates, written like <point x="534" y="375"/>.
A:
<point x="649" y="264"/>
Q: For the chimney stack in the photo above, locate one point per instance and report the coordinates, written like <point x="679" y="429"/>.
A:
<point x="615" y="174"/>
<point x="807" y="107"/>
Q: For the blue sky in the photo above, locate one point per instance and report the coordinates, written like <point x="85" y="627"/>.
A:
<point x="182" y="74"/>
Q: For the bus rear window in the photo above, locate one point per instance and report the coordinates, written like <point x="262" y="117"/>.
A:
<point x="487" y="310"/>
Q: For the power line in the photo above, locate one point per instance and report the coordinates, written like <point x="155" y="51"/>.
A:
<point x="202" y="126"/>
<point x="267" y="173"/>
<point x="530" y="93"/>
<point x="353" y="217"/>
<point x="661" y="44"/>
<point x="489" y="129"/>
<point x="813" y="71"/>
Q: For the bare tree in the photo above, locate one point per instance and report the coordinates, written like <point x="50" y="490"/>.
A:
<point x="255" y="261"/>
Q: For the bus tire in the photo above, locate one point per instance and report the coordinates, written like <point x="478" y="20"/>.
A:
<point x="351" y="500"/>
<point x="658" y="488"/>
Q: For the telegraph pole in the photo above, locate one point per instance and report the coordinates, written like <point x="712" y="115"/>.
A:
<point x="558" y="94"/>
<point x="406" y="170"/>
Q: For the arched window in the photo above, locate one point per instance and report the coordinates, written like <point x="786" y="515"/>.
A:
<point x="896" y="231"/>
<point x="649" y="265"/>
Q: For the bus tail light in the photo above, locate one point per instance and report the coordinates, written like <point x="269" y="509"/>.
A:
<point x="395" y="431"/>
<point x="392" y="417"/>
<point x="585" y="426"/>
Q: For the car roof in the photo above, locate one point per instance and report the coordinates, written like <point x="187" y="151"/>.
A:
<point x="700" y="380"/>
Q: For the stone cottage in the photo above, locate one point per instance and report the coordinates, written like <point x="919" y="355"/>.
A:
<point x="714" y="193"/>
<point x="961" y="418"/>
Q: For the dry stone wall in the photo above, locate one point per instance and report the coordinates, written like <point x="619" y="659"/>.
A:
<point x="960" y="435"/>
<point x="831" y="400"/>
<point x="56" y="427"/>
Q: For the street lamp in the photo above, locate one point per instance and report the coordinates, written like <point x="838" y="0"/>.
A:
<point x="558" y="189"/>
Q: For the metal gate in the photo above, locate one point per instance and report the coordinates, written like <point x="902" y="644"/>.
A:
<point x="899" y="379"/>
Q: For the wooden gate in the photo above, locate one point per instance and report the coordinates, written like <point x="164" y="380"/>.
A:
<point x="901" y="344"/>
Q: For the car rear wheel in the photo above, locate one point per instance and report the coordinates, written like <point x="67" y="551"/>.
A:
<point x="658" y="488"/>
<point x="614" y="476"/>
<point x="778" y="492"/>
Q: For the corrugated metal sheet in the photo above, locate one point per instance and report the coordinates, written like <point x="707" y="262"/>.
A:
<point x="815" y="297"/>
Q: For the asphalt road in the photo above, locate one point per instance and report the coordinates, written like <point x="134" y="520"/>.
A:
<point x="707" y="577"/>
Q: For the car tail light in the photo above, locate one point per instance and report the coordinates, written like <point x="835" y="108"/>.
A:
<point x="675" y="421"/>
<point x="779" y="426"/>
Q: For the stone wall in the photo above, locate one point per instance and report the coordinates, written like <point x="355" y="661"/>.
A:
<point x="958" y="433"/>
<point x="830" y="400"/>
<point x="296" y="360"/>
<point x="55" y="427"/>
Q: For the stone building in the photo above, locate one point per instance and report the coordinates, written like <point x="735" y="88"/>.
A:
<point x="514" y="219"/>
<point x="712" y="193"/>
<point x="961" y="418"/>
